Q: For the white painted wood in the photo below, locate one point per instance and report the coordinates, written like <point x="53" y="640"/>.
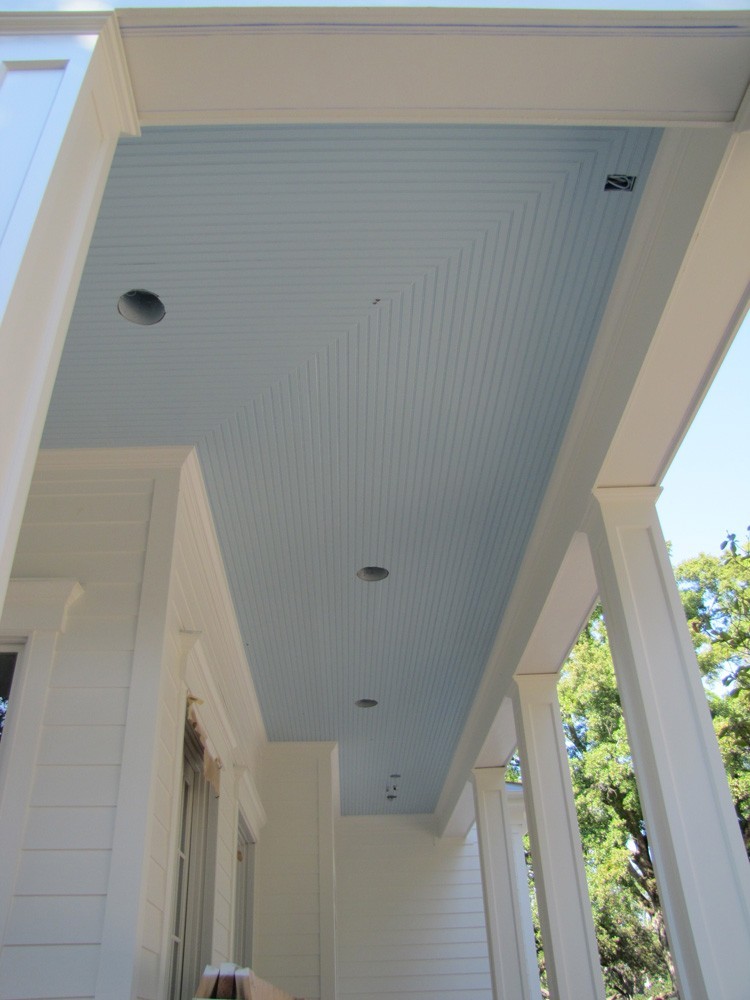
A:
<point x="328" y="810"/>
<point x="441" y="65"/>
<point x="56" y="972"/>
<point x="81" y="744"/>
<point x="72" y="707"/>
<point x="59" y="920"/>
<point x="78" y="105"/>
<point x="69" y="828"/>
<point x="410" y="915"/>
<point x="696" y="846"/>
<point x="569" y="942"/>
<point x="83" y="506"/>
<point x="518" y="828"/>
<point x="203" y="596"/>
<point x="58" y="873"/>
<point x="112" y="567"/>
<point x="295" y="834"/>
<point x="123" y="921"/>
<point x="507" y="904"/>
<point x="56" y="785"/>
<point x="86" y="670"/>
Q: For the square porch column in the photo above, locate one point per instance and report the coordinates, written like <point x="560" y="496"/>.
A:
<point x="699" y="857"/>
<point x="567" y="925"/>
<point x="507" y="904"/>
<point x="65" y="99"/>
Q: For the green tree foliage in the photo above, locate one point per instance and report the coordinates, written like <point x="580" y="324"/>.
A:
<point x="716" y="595"/>
<point x="625" y="897"/>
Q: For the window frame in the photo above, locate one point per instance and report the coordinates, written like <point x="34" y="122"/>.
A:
<point x="191" y="937"/>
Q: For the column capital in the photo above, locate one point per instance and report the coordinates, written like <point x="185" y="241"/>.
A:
<point x="636" y="495"/>
<point x="533" y="687"/>
<point x="488" y="779"/>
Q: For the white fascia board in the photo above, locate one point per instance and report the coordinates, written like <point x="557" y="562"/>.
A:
<point x="237" y="64"/>
<point x="395" y="65"/>
<point x="598" y="6"/>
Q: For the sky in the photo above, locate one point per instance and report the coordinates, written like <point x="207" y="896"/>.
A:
<point x="707" y="488"/>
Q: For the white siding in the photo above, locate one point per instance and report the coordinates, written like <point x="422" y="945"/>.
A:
<point x="214" y="670"/>
<point x="409" y="912"/>
<point x="91" y="530"/>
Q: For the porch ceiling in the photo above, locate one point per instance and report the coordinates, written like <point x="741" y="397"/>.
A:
<point x="374" y="337"/>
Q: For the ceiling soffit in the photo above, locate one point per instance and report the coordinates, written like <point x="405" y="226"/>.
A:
<point x="375" y="336"/>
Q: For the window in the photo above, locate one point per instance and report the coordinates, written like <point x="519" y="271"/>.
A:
<point x="7" y="666"/>
<point x="243" y="909"/>
<point x="191" y="939"/>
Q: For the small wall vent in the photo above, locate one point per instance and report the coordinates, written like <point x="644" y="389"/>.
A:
<point x="619" y="182"/>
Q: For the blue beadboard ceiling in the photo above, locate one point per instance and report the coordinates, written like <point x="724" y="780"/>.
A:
<point x="374" y="336"/>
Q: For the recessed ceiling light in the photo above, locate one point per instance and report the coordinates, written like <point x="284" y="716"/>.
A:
<point x="141" y="307"/>
<point x="365" y="703"/>
<point x="372" y="573"/>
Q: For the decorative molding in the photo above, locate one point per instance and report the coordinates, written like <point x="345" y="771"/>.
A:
<point x="205" y="700"/>
<point x="38" y="605"/>
<point x="221" y="643"/>
<point x="187" y="641"/>
<point x="742" y="118"/>
<point x="249" y="802"/>
<point x="426" y="20"/>
<point x="419" y="50"/>
<point x="68" y="22"/>
<point x="110" y="41"/>
<point x="104" y="25"/>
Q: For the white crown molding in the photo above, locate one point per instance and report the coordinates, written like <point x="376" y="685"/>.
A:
<point x="422" y="20"/>
<point x="59" y="22"/>
<point x="221" y="647"/>
<point x="250" y="805"/>
<point x="104" y="25"/>
<point x="298" y="65"/>
<point x="121" y="85"/>
<point x="742" y="118"/>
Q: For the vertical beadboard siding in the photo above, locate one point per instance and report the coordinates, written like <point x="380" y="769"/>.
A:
<point x="409" y="913"/>
<point x="286" y="921"/>
<point x="92" y="529"/>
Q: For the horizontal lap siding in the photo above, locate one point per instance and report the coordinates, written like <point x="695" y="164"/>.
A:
<point x="409" y="913"/>
<point x="94" y="531"/>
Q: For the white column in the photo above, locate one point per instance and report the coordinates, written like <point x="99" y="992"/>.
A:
<point x="507" y="906"/>
<point x="570" y="951"/>
<point x="64" y="100"/>
<point x="699" y="858"/>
